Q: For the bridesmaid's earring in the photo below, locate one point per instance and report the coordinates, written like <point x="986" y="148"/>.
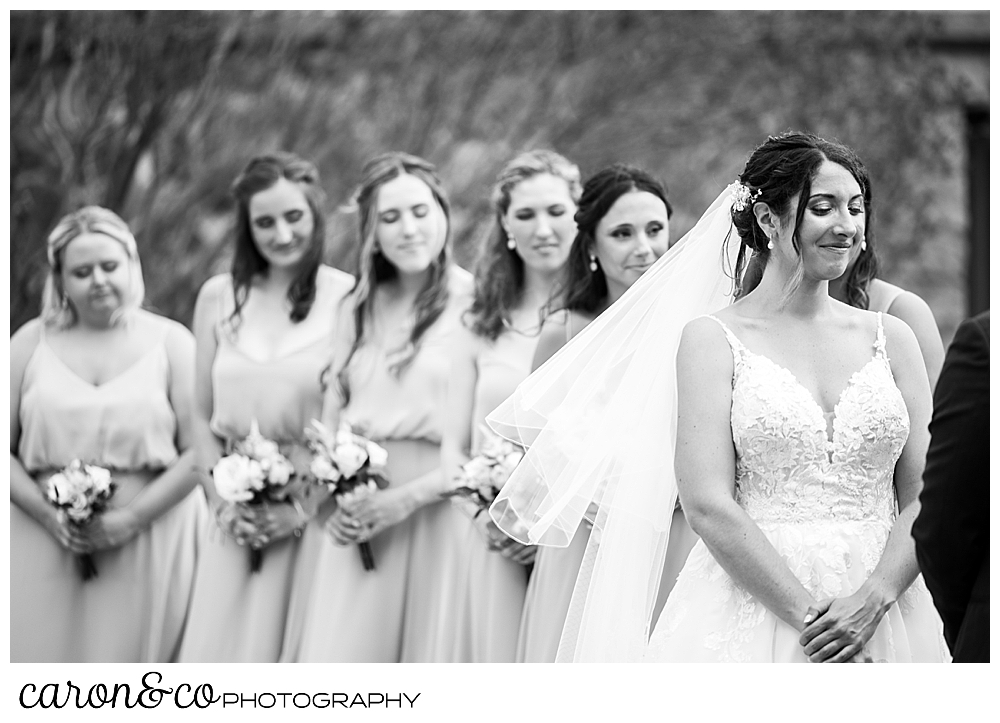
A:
<point x="770" y="242"/>
<point x="511" y="243"/>
<point x="593" y="263"/>
<point x="864" y="244"/>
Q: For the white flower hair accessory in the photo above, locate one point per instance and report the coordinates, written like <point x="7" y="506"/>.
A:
<point x="742" y="196"/>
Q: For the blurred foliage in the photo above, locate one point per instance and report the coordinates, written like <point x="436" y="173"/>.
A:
<point x="153" y="113"/>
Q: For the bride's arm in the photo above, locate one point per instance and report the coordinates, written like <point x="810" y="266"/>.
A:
<point x="705" y="464"/>
<point x="848" y="623"/>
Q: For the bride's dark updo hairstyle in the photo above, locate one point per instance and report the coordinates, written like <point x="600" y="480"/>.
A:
<point x="587" y="290"/>
<point x="777" y="170"/>
<point x="260" y="174"/>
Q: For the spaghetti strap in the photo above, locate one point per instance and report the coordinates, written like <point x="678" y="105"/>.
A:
<point x="734" y="343"/>
<point x="880" y="336"/>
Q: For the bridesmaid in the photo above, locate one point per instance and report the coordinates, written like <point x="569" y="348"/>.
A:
<point x="623" y="227"/>
<point x="388" y="376"/>
<point x="98" y="379"/>
<point x="263" y="336"/>
<point x="534" y="198"/>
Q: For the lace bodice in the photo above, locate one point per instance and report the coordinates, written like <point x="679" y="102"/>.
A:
<point x="788" y="469"/>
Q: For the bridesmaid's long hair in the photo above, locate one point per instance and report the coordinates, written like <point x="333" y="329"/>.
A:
<point x="500" y="270"/>
<point x="57" y="311"/>
<point x="260" y="174"/>
<point x="374" y="268"/>
<point x="587" y="290"/>
<point x="779" y="168"/>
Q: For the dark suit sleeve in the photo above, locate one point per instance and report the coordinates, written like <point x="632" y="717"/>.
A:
<point x="952" y="529"/>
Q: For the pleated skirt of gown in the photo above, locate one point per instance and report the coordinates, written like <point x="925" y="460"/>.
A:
<point x="134" y="611"/>
<point x="342" y="613"/>
<point x="546" y="602"/>
<point x="490" y="603"/>
<point x="238" y="616"/>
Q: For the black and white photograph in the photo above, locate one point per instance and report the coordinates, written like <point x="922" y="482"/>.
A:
<point x="493" y="336"/>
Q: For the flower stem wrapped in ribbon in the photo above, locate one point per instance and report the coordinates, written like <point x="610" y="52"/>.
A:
<point x="349" y="466"/>
<point x="81" y="491"/>
<point x="254" y="474"/>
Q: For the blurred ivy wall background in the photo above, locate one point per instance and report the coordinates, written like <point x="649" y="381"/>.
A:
<point x="153" y="113"/>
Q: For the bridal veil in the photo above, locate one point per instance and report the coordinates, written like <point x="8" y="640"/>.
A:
<point x="598" y="420"/>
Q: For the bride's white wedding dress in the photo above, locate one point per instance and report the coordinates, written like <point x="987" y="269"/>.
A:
<point x="827" y="505"/>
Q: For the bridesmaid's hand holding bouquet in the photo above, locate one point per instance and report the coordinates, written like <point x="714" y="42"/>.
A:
<point x="351" y="468"/>
<point x="480" y="482"/>
<point x="484" y="475"/>
<point x="255" y="474"/>
<point x="79" y="492"/>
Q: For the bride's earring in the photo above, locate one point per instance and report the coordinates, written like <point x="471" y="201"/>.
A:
<point x="864" y="244"/>
<point x="593" y="263"/>
<point x="770" y="242"/>
<point x="511" y="243"/>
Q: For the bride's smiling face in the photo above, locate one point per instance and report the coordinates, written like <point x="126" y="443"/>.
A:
<point x="832" y="227"/>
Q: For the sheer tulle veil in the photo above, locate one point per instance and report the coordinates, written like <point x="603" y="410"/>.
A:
<point x="599" y="423"/>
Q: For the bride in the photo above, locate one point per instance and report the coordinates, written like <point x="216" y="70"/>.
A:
<point x="793" y="426"/>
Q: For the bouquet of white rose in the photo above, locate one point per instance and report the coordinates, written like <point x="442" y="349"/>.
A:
<point x="348" y="465"/>
<point x="484" y="475"/>
<point x="80" y="491"/>
<point x="255" y="473"/>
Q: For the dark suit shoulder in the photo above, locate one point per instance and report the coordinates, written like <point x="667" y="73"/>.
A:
<point x="981" y="323"/>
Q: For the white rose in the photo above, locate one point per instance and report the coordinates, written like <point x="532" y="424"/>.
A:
<point x="280" y="471"/>
<point x="377" y="455"/>
<point x="345" y="435"/>
<point x="476" y="469"/>
<point x="232" y="477"/>
<point x="349" y="458"/>
<point x="256" y="445"/>
<point x="323" y="469"/>
<point x="80" y="509"/>
<point x="100" y="478"/>
<point x="76" y="478"/>
<point x="321" y="434"/>
<point x="499" y="475"/>
<point x="259" y="447"/>
<point x="59" y="490"/>
<point x="256" y="476"/>
<point x="492" y="447"/>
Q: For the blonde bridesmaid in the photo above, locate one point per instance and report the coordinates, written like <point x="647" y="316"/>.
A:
<point x="98" y="379"/>
<point x="534" y="199"/>
<point x="263" y="337"/>
<point x="388" y="377"/>
<point x="623" y="227"/>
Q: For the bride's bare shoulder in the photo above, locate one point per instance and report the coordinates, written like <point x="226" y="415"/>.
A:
<point x="703" y="341"/>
